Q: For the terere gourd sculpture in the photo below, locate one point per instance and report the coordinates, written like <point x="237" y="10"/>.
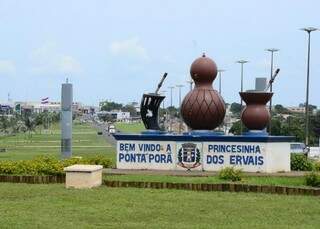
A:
<point x="255" y="115"/>
<point x="203" y="108"/>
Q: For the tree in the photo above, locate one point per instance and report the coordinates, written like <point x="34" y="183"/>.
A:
<point x="131" y="109"/>
<point x="279" y="109"/>
<point x="30" y="123"/>
<point x="107" y="117"/>
<point x="310" y="106"/>
<point x="109" y="106"/>
<point x="235" y="108"/>
<point x="173" y="111"/>
<point x="4" y="124"/>
<point x="236" y="128"/>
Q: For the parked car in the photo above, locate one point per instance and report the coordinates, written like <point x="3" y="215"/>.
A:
<point x="297" y="147"/>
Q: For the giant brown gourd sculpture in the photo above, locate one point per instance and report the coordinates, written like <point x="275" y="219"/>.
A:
<point x="203" y="108"/>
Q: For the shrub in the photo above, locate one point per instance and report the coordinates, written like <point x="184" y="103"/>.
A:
<point x="44" y="165"/>
<point x="317" y="165"/>
<point x="313" y="179"/>
<point x="230" y="173"/>
<point x="300" y="162"/>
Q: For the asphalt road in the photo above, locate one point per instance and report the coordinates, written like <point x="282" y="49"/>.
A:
<point x="103" y="128"/>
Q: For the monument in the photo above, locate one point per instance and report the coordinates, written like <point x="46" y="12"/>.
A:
<point x="66" y="119"/>
<point x="203" y="108"/>
<point x="203" y="148"/>
<point x="149" y="107"/>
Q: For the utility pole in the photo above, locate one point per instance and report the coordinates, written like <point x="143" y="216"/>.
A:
<point x="191" y="83"/>
<point x="220" y="71"/>
<point x="271" y="50"/>
<point x="180" y="116"/>
<point x="171" y="105"/>
<point x="242" y="62"/>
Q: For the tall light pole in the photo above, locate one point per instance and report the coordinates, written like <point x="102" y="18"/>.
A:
<point x="171" y="105"/>
<point x="308" y="30"/>
<point x="271" y="50"/>
<point x="220" y="71"/>
<point x="190" y="82"/>
<point x="163" y="107"/>
<point x="242" y="62"/>
<point x="180" y="121"/>
<point x="163" y="93"/>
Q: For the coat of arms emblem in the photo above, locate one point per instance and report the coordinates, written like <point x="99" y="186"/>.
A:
<point x="189" y="156"/>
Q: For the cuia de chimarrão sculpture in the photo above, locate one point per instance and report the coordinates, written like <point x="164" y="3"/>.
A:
<point x="203" y="108"/>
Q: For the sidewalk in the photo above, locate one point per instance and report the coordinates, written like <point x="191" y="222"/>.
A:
<point x="193" y="173"/>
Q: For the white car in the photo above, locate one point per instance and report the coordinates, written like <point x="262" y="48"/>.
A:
<point x="112" y="129"/>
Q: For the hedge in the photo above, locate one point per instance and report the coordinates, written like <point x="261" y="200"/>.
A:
<point x="44" y="165"/>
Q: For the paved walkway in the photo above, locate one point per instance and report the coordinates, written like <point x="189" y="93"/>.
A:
<point x="193" y="173"/>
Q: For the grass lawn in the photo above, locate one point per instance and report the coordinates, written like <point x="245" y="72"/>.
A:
<point x="85" y="142"/>
<point x="130" y="127"/>
<point x="286" y="181"/>
<point x="53" y="206"/>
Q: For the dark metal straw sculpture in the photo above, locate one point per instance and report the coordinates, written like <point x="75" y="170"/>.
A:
<point x="149" y="107"/>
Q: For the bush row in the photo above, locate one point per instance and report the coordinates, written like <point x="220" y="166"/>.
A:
<point x="300" y="162"/>
<point x="232" y="174"/>
<point x="313" y="179"/>
<point x="45" y="165"/>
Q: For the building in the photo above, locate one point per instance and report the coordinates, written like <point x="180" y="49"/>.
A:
<point x="296" y="109"/>
<point x="6" y="108"/>
<point x="117" y="115"/>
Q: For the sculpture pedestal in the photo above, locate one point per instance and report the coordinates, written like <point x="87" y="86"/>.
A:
<point x="251" y="153"/>
<point x="83" y="176"/>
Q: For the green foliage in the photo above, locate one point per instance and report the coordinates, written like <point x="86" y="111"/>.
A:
<point x="131" y="109"/>
<point x="313" y="179"/>
<point x="27" y="121"/>
<point x="236" y="128"/>
<point x="109" y="106"/>
<point x="230" y="173"/>
<point x="300" y="162"/>
<point x="43" y="165"/>
<point x="235" y="108"/>
<point x="279" y="109"/>
<point x="316" y="165"/>
<point x="294" y="125"/>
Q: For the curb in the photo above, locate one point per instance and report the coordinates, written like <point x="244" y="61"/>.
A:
<point x="223" y="187"/>
<point x="33" y="179"/>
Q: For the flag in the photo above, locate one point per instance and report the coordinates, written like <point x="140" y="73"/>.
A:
<point x="45" y="100"/>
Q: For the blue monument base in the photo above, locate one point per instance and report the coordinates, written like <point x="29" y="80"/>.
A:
<point x="203" y="150"/>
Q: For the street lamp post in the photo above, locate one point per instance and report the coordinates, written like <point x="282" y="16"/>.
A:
<point x="163" y="93"/>
<point x="163" y="107"/>
<point x="171" y="105"/>
<point x="308" y="30"/>
<point x="242" y="62"/>
<point x="191" y="83"/>
<point x="220" y="71"/>
<point x="271" y="50"/>
<point x="180" y="121"/>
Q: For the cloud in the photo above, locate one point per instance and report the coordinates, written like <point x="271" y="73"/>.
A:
<point x="7" y="67"/>
<point x="47" y="59"/>
<point x="69" y="64"/>
<point x="130" y="48"/>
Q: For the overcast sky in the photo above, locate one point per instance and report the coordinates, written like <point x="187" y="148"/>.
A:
<point x="117" y="50"/>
